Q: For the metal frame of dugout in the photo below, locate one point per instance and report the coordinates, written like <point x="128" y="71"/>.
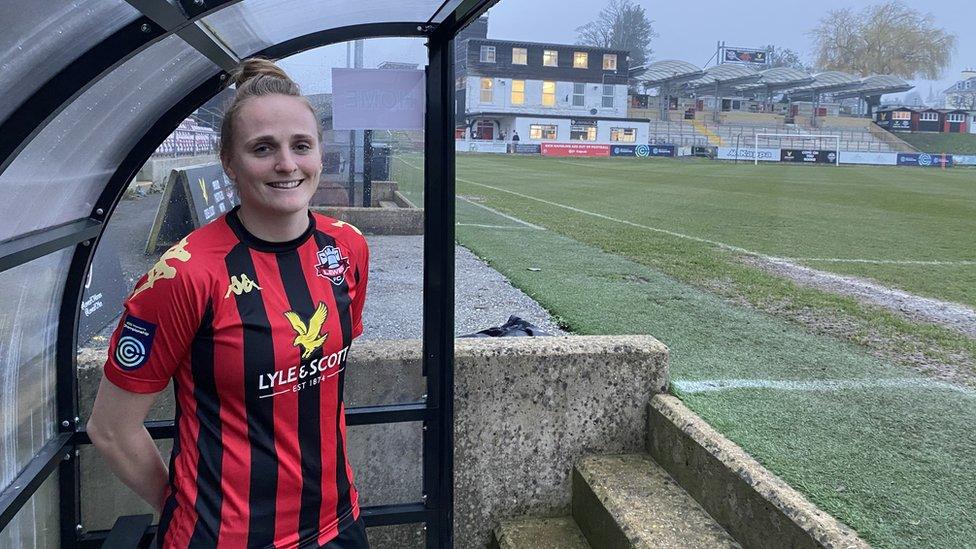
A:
<point x="161" y="19"/>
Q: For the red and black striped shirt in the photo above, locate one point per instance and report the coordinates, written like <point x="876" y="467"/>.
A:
<point x="254" y="335"/>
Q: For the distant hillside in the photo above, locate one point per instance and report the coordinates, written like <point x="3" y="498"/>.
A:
<point x="955" y="143"/>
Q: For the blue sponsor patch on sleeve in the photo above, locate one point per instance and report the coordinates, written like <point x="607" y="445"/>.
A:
<point x="135" y="343"/>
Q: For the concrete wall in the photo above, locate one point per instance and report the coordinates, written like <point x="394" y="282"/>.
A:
<point x="157" y="169"/>
<point x="525" y="410"/>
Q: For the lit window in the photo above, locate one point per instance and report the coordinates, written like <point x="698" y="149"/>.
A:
<point x="578" y="89"/>
<point x="582" y="132"/>
<point x="486" y="86"/>
<point x="609" y="61"/>
<point x="550" y="58"/>
<point x="549" y="94"/>
<point x="607" y="96"/>
<point x="487" y="54"/>
<point x="901" y="115"/>
<point x="929" y="117"/>
<point x="520" y="56"/>
<point x="581" y="60"/>
<point x="542" y="132"/>
<point x="518" y="92"/>
<point x="625" y="135"/>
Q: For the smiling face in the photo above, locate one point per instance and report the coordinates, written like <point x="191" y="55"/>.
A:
<point x="274" y="156"/>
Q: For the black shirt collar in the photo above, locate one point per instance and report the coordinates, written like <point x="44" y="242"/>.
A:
<point x="234" y="220"/>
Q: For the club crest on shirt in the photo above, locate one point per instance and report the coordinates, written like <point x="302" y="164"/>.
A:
<point x="332" y="265"/>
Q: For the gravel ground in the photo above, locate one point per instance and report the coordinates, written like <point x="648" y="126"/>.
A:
<point x="394" y="304"/>
<point x="920" y="309"/>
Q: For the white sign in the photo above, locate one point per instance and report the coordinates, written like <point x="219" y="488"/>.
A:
<point x="964" y="160"/>
<point x="377" y="99"/>
<point x="748" y="153"/>
<point x="496" y="147"/>
<point x="876" y="158"/>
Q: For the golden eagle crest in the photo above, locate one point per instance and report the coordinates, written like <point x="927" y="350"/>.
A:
<point x="308" y="336"/>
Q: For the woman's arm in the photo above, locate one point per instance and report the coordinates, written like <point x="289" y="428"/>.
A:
<point x="117" y="431"/>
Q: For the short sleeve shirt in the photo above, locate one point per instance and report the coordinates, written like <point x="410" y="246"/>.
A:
<point x="254" y="336"/>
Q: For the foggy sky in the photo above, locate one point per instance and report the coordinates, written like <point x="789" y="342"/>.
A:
<point x="687" y="31"/>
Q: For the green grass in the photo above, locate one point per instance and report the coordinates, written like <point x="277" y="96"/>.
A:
<point x="955" y="143"/>
<point x="894" y="463"/>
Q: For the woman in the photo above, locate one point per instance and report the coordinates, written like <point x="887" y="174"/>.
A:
<point x="251" y="316"/>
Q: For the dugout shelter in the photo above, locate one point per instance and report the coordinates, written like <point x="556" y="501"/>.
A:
<point x="90" y="90"/>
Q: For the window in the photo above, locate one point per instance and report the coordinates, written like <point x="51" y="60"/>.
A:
<point x="582" y="132"/>
<point x="581" y="60"/>
<point x="901" y="115"/>
<point x="607" y="96"/>
<point x="956" y="117"/>
<point x="626" y="135"/>
<point x="520" y="56"/>
<point x="542" y="131"/>
<point x="487" y="54"/>
<point x="518" y="92"/>
<point x="486" y="86"/>
<point x="548" y="94"/>
<point x="929" y="117"/>
<point x="609" y="61"/>
<point x="550" y="58"/>
<point x="578" y="89"/>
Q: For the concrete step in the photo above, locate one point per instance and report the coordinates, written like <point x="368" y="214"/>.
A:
<point x="626" y="501"/>
<point x="388" y="204"/>
<point x="538" y="533"/>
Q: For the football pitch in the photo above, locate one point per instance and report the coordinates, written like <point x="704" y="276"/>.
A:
<point x="615" y="246"/>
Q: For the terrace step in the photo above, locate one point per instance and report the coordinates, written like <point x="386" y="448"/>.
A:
<point x="538" y="533"/>
<point x="625" y="501"/>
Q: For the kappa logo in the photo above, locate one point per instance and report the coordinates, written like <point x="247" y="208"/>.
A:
<point x="343" y="223"/>
<point x="240" y="286"/>
<point x="332" y="265"/>
<point x="308" y="335"/>
<point x="162" y="269"/>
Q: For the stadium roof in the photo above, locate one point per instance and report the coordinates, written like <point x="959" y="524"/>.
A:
<point x="669" y="72"/>
<point x="779" y="78"/>
<point x="724" y="77"/>
<point x="826" y="82"/>
<point x="879" y="84"/>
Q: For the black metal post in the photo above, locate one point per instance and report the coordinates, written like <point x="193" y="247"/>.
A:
<point x="367" y="168"/>
<point x="438" y="329"/>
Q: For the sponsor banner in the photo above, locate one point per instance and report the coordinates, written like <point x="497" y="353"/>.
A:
<point x="874" y="158"/>
<point x="808" y="156"/>
<point x="573" y="149"/>
<point x="494" y="147"/>
<point x="925" y="160"/>
<point x="105" y="288"/>
<point x="684" y="151"/>
<point x="377" y="99"/>
<point x="746" y="153"/>
<point x="194" y="196"/>
<point x="740" y="55"/>
<point x="527" y="148"/>
<point x="964" y="160"/>
<point x="642" y="151"/>
<point x="901" y="124"/>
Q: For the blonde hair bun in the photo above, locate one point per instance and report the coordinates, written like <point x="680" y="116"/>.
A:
<point x="256" y="67"/>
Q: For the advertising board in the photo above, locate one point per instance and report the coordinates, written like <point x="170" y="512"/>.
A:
<point x="193" y="197"/>
<point x="742" y="55"/>
<point x="808" y="156"/>
<point x="964" y="160"/>
<point x="642" y="151"/>
<point x="573" y="149"/>
<point x="746" y="153"/>
<point x="873" y="158"/>
<point x="925" y="160"/>
<point x="526" y="148"/>
<point x="494" y="147"/>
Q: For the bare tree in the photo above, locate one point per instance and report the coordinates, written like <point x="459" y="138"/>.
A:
<point x="888" y="38"/>
<point x="785" y="57"/>
<point x="621" y="25"/>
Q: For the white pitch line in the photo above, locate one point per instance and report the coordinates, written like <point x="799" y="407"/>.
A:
<point x="960" y="262"/>
<point x="716" y="385"/>
<point x="623" y="221"/>
<point x="498" y="213"/>
<point x="495" y="226"/>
